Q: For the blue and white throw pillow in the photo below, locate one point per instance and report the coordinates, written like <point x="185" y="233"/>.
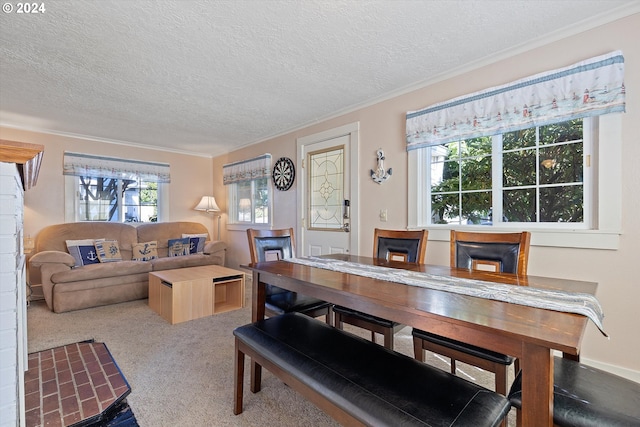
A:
<point x="179" y="247"/>
<point x="196" y="242"/>
<point x="83" y="251"/>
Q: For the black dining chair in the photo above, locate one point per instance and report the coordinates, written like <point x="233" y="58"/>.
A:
<point x="388" y="245"/>
<point x="499" y="252"/>
<point x="273" y="245"/>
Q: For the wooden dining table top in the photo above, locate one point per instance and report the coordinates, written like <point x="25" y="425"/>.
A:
<point x="521" y="331"/>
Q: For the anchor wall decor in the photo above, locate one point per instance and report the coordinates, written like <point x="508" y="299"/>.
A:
<point x="380" y="175"/>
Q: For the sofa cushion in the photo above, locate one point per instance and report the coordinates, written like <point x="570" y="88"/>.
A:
<point x="99" y="271"/>
<point x="108" y="251"/>
<point x="83" y="251"/>
<point x="169" y="263"/>
<point x="178" y="247"/>
<point x="145" y="251"/>
<point x="163" y="231"/>
<point x="53" y="237"/>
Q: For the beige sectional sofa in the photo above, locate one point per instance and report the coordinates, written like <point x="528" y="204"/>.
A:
<point x="69" y="287"/>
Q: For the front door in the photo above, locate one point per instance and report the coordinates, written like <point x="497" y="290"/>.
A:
<point x="327" y="191"/>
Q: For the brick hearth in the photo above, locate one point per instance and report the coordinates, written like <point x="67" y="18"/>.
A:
<point x="75" y="384"/>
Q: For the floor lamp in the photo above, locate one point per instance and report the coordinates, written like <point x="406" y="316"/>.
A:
<point x="208" y="204"/>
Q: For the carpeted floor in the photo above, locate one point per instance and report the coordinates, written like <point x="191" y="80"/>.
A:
<point x="183" y="374"/>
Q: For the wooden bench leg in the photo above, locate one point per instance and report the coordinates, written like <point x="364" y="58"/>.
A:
<point x="418" y="352"/>
<point x="239" y="379"/>
<point x="388" y="338"/>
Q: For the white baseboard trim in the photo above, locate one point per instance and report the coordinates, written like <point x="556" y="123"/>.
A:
<point x="629" y="374"/>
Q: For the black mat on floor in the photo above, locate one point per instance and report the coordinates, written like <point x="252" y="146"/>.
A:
<point x="122" y="416"/>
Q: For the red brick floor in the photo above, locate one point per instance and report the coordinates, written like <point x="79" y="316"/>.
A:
<point x="72" y="384"/>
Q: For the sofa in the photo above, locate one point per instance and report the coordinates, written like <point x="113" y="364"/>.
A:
<point x="68" y="285"/>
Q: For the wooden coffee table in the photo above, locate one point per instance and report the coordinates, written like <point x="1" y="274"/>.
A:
<point x="190" y="293"/>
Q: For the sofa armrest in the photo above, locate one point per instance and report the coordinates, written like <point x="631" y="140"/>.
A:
<point x="49" y="263"/>
<point x="214" y="246"/>
<point x="54" y="257"/>
<point x="216" y="249"/>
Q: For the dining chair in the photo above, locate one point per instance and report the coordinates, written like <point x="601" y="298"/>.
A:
<point x="388" y="245"/>
<point x="499" y="252"/>
<point x="273" y="245"/>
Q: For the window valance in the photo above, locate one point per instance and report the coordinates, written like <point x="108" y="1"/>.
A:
<point x="111" y="167"/>
<point x="589" y="88"/>
<point x="247" y="170"/>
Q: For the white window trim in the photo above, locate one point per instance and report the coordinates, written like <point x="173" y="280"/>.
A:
<point x="607" y="220"/>
<point x="71" y="184"/>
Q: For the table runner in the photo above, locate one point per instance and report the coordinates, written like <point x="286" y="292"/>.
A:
<point x="569" y="302"/>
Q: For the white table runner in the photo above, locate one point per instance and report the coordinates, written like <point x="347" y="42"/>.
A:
<point x="569" y="302"/>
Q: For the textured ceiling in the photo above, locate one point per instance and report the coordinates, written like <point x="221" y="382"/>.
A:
<point x="210" y="76"/>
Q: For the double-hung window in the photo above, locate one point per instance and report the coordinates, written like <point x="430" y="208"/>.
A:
<point x="249" y="191"/>
<point x="539" y="154"/>
<point x="110" y="189"/>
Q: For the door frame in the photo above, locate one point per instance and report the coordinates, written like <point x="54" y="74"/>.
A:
<point x="353" y="131"/>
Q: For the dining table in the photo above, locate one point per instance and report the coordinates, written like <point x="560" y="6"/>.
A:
<point x="529" y="333"/>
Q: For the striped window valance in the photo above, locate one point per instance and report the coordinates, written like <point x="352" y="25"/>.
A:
<point x="247" y="170"/>
<point x="588" y="88"/>
<point x="77" y="164"/>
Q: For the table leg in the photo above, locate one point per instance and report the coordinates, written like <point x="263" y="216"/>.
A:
<point x="257" y="313"/>
<point x="537" y="386"/>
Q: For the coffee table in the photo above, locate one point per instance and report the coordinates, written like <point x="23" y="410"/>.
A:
<point x="190" y="293"/>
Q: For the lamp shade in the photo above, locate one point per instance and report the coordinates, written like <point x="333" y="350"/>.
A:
<point x="207" y="204"/>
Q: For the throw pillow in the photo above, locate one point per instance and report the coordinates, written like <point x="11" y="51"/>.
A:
<point x="108" y="251"/>
<point x="196" y="242"/>
<point x="145" y="251"/>
<point x="83" y="251"/>
<point x="179" y="247"/>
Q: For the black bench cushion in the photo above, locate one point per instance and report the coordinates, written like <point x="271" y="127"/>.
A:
<point x="464" y="347"/>
<point x="588" y="397"/>
<point x="378" y="386"/>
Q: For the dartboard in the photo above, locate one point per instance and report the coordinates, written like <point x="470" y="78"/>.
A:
<point x="283" y="173"/>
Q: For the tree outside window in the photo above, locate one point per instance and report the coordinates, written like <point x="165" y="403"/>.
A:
<point x="117" y="200"/>
<point x="542" y="177"/>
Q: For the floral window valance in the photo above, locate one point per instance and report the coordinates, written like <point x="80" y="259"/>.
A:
<point x="588" y="88"/>
<point x="247" y="170"/>
<point x="111" y="167"/>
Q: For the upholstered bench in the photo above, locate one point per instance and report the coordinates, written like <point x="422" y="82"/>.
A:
<point x="358" y="382"/>
<point x="586" y="396"/>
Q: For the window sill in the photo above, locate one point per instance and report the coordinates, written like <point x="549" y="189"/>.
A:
<point x="246" y="226"/>
<point x="584" y="239"/>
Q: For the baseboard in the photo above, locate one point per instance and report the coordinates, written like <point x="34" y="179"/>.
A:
<point x="629" y="374"/>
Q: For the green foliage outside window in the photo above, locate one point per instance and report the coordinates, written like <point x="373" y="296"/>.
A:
<point x="542" y="177"/>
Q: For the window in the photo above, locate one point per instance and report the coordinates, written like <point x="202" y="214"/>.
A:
<point x="540" y="153"/>
<point x="250" y="202"/>
<point x="109" y="189"/>
<point x="533" y="176"/>
<point x="249" y="187"/>
<point x="119" y="200"/>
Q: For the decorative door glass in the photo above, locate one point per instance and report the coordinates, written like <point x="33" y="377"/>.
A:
<point x="326" y="189"/>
